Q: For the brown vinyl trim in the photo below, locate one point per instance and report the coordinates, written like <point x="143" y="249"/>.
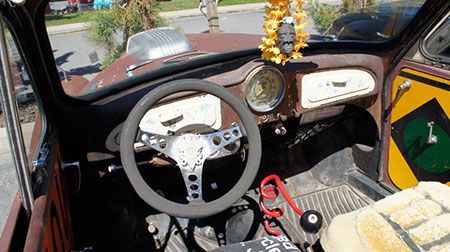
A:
<point x="38" y="222"/>
<point x="12" y="225"/>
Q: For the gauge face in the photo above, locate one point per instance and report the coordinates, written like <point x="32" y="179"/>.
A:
<point x="264" y="88"/>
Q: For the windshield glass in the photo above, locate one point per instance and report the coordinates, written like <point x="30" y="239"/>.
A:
<point x="95" y="42"/>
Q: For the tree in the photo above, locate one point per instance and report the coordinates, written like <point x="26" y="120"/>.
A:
<point x="129" y="17"/>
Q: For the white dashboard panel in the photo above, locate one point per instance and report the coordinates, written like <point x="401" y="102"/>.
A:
<point x="330" y="86"/>
<point x="197" y="114"/>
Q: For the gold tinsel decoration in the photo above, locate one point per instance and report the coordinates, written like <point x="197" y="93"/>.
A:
<point x="276" y="12"/>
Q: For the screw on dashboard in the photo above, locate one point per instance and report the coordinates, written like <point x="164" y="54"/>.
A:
<point x="264" y="118"/>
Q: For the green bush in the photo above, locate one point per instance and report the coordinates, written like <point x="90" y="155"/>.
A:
<point x="323" y="15"/>
<point x="129" y="17"/>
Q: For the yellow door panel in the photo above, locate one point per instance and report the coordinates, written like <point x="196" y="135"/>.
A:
<point x="401" y="176"/>
<point x="418" y="94"/>
<point x="420" y="115"/>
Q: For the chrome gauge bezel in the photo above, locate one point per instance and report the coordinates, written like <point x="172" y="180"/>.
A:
<point x="280" y="94"/>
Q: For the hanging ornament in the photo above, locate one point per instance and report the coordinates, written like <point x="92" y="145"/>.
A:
<point x="284" y="31"/>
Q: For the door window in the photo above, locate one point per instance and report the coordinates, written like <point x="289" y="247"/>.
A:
<point x="30" y="123"/>
<point x="437" y="44"/>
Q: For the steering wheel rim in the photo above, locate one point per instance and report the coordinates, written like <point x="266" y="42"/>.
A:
<point x="131" y="129"/>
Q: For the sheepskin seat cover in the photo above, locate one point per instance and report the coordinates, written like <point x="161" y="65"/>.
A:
<point x="415" y="219"/>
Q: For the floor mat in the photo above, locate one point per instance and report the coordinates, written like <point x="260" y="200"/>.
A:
<point x="329" y="202"/>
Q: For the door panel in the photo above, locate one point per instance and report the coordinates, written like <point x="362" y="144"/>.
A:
<point x="419" y="110"/>
<point x="50" y="226"/>
<point x="58" y="234"/>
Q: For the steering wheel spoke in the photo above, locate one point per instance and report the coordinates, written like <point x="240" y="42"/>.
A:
<point x="163" y="143"/>
<point x="193" y="181"/>
<point x="220" y="139"/>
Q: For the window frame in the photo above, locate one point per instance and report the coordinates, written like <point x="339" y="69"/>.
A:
<point x="443" y="23"/>
<point x="23" y="155"/>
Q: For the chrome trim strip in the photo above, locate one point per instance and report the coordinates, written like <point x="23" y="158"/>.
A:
<point x="13" y="127"/>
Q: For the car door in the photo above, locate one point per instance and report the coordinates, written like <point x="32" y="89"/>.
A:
<point x="40" y="213"/>
<point x="418" y="112"/>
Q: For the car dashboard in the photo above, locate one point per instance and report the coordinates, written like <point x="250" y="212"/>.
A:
<point x="309" y="89"/>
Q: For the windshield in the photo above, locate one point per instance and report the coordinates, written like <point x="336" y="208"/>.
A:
<point x="97" y="43"/>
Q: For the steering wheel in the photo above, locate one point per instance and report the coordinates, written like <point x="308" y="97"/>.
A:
<point x="190" y="151"/>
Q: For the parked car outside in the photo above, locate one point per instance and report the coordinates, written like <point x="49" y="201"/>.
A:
<point x="375" y="22"/>
<point x="73" y="3"/>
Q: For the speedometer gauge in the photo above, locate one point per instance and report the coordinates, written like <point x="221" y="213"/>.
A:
<point x="264" y="88"/>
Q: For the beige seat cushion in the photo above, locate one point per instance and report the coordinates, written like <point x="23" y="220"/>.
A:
<point x="416" y="219"/>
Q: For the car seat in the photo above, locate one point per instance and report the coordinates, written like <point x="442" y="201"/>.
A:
<point x="415" y="219"/>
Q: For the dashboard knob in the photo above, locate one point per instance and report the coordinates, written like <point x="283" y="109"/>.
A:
<point x="282" y="117"/>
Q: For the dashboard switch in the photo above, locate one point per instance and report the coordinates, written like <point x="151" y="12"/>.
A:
<point x="280" y="129"/>
<point x="282" y="117"/>
<point x="295" y="113"/>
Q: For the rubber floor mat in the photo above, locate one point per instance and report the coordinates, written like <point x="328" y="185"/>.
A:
<point x="329" y="202"/>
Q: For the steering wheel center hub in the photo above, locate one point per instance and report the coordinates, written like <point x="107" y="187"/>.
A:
<point x="191" y="150"/>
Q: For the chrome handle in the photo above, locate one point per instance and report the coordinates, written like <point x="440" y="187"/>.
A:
<point x="432" y="139"/>
<point x="406" y="85"/>
<point x="339" y="83"/>
<point x="40" y="162"/>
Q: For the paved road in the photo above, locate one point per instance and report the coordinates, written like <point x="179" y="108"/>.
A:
<point x="8" y="185"/>
<point x="230" y="23"/>
<point x="8" y="178"/>
<point x="73" y="56"/>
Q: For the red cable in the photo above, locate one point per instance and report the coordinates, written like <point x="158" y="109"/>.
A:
<point x="277" y="212"/>
<point x="269" y="229"/>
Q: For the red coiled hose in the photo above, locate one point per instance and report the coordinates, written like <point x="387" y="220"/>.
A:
<point x="277" y="212"/>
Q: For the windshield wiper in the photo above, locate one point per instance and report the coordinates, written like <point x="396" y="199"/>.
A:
<point x="129" y="69"/>
<point x="172" y="60"/>
<point x="322" y="37"/>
